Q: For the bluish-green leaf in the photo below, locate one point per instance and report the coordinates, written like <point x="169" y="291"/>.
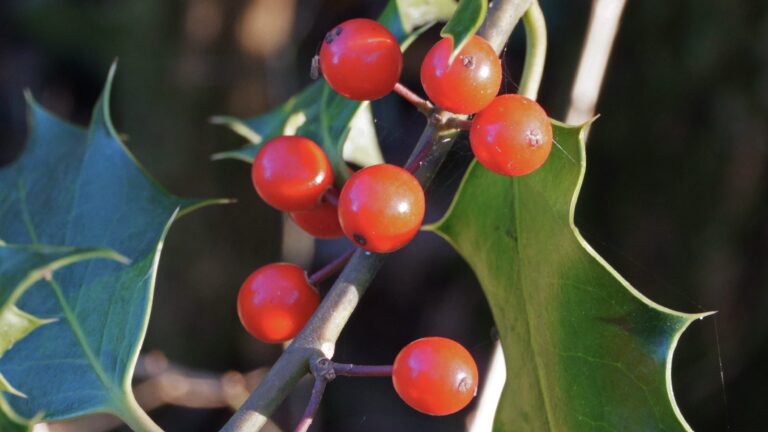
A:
<point x="20" y="268"/>
<point x="82" y="188"/>
<point x="317" y="112"/>
<point x="464" y="23"/>
<point x="584" y="350"/>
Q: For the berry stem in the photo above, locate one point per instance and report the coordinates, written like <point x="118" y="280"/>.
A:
<point x="332" y="267"/>
<point x="331" y="196"/>
<point x="350" y="370"/>
<point x="457" y="123"/>
<point x="424" y="106"/>
<point x="321" y="332"/>
<point x="312" y="406"/>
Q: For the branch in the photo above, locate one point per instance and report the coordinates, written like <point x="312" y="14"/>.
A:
<point x="318" y="338"/>
<point x="502" y="17"/>
<point x="166" y="383"/>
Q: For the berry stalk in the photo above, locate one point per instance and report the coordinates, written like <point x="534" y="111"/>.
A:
<point x="318" y="338"/>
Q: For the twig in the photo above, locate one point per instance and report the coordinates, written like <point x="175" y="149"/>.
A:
<point x="318" y="338"/>
<point x="424" y="106"/>
<point x="332" y="267"/>
<point x="166" y="383"/>
<point x="603" y="25"/>
<point x="314" y="403"/>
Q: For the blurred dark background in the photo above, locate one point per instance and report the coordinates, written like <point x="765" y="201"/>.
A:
<point x="675" y="194"/>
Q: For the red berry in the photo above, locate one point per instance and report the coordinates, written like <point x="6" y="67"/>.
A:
<point x="469" y="83"/>
<point x="381" y="208"/>
<point x="435" y="376"/>
<point x="361" y="59"/>
<point x="291" y="173"/>
<point x="321" y="222"/>
<point x="276" y="301"/>
<point x="512" y="136"/>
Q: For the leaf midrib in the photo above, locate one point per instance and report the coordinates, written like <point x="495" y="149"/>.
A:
<point x="83" y="341"/>
<point x="528" y="312"/>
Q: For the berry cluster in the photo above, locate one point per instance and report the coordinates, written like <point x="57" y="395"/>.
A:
<point x="380" y="208"/>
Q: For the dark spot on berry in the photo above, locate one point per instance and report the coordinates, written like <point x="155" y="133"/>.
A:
<point x="360" y="239"/>
<point x="534" y="138"/>
<point x="468" y="61"/>
<point x="338" y="31"/>
<point x="465" y="384"/>
<point x="329" y="38"/>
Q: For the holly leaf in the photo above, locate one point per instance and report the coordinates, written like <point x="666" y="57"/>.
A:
<point x="468" y="18"/>
<point x="81" y="188"/>
<point x="584" y="350"/>
<point x="20" y="268"/>
<point x="343" y="127"/>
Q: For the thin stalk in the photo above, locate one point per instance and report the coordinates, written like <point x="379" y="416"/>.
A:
<point x="332" y="267"/>
<point x="350" y="370"/>
<point x="312" y="406"/>
<point x="331" y="196"/>
<point x="424" y="106"/>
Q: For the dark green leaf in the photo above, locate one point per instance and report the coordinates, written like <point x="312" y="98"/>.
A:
<point x="584" y="350"/>
<point x="319" y="113"/>
<point x="463" y="25"/>
<point x="82" y="188"/>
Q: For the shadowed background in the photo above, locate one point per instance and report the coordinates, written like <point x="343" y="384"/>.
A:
<point x="675" y="194"/>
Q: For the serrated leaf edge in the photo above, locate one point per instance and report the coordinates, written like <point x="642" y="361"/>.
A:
<point x="686" y="318"/>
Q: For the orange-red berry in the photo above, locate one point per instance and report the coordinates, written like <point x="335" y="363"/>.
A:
<point x="512" y="136"/>
<point x="435" y="376"/>
<point x="321" y="222"/>
<point x="360" y="59"/>
<point x="276" y="301"/>
<point x="291" y="173"/>
<point x="466" y="85"/>
<point x="381" y="208"/>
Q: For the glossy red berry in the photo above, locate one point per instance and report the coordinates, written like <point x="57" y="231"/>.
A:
<point x="321" y="222"/>
<point x="512" y="136"/>
<point x="361" y="59"/>
<point x="381" y="208"/>
<point x="466" y="85"/>
<point x="276" y="301"/>
<point x="435" y="376"/>
<point x="291" y="173"/>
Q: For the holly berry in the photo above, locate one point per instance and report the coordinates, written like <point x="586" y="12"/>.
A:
<point x="291" y="173"/>
<point x="435" y="375"/>
<point x="466" y="85"/>
<point x="361" y="59"/>
<point x="321" y="222"/>
<point x="381" y="208"/>
<point x="512" y="136"/>
<point x="276" y="301"/>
